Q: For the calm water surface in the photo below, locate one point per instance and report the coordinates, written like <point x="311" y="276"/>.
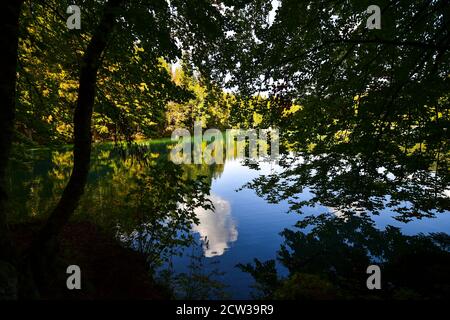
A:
<point x="243" y="226"/>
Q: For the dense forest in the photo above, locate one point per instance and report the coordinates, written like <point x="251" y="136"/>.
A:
<point x="87" y="116"/>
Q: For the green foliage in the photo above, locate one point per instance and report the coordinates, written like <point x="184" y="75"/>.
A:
<point x="373" y="110"/>
<point x="140" y="94"/>
<point x="134" y="85"/>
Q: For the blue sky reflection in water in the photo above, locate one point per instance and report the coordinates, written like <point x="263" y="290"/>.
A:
<point x="244" y="226"/>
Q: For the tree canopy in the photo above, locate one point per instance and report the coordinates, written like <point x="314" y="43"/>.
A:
<point x="374" y="110"/>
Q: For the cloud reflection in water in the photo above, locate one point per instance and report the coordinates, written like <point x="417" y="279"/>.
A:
<point x="217" y="226"/>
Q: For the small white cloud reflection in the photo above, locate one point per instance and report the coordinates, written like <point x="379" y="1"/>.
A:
<point x="217" y="227"/>
<point x="346" y="213"/>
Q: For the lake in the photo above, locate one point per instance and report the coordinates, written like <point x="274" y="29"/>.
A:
<point x="242" y="227"/>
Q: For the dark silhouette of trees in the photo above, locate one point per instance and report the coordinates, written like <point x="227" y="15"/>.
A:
<point x="327" y="258"/>
<point x="373" y="105"/>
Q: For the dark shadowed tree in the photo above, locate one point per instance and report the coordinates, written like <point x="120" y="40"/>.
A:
<point x="9" y="24"/>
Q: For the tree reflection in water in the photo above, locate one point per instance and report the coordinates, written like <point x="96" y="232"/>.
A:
<point x="153" y="204"/>
<point x="137" y="194"/>
<point x="327" y="258"/>
<point x="358" y="178"/>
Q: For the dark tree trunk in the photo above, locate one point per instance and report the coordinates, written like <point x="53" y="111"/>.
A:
<point x="9" y="26"/>
<point x="44" y="247"/>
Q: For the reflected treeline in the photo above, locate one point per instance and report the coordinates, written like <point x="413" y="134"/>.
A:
<point x="411" y="185"/>
<point x="327" y="258"/>
<point x="136" y="193"/>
